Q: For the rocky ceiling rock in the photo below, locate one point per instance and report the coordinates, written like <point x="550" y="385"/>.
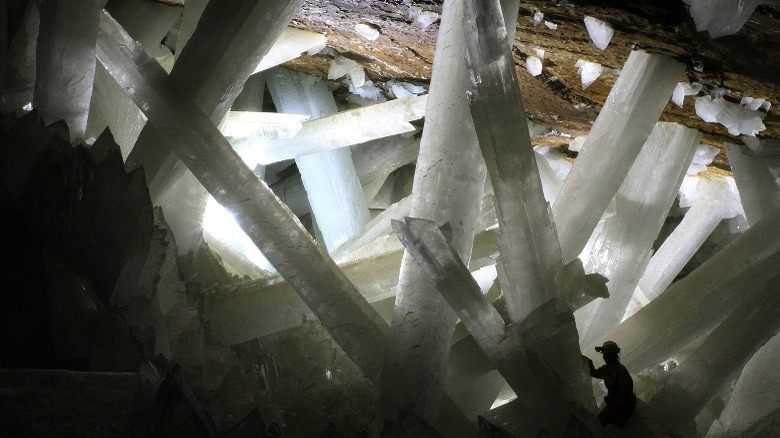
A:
<point x="744" y="64"/>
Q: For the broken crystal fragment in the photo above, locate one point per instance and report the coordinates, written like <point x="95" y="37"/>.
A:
<point x="576" y="144"/>
<point x="538" y="17"/>
<point x="736" y="118"/>
<point x="534" y="65"/>
<point x="550" y="25"/>
<point x="425" y="19"/>
<point x="754" y="103"/>
<point x="702" y="158"/>
<point x="342" y="66"/>
<point x="621" y="128"/>
<point x="589" y="71"/>
<point x="599" y="31"/>
<point x="367" y="31"/>
<point x="539" y="53"/>
<point x="685" y="89"/>
<point x="290" y="45"/>
<point x="723" y="17"/>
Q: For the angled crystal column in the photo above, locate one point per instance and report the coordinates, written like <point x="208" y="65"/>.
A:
<point x="329" y="132"/>
<point x="758" y="188"/>
<point x="539" y="387"/>
<point x="724" y="352"/>
<point x="714" y="203"/>
<point x="694" y="305"/>
<point x="723" y="17"/>
<point x="755" y="395"/>
<point x="148" y="22"/>
<point x="211" y="69"/>
<point x="332" y="185"/>
<point x="66" y="62"/>
<point x="447" y="187"/>
<point x="354" y="325"/>
<point x="621" y="128"/>
<point x="623" y="247"/>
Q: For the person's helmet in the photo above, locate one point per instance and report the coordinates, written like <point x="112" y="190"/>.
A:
<point x="608" y="347"/>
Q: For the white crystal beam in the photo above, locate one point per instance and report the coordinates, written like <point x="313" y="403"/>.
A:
<point x="331" y="182"/>
<point x="710" y="208"/>
<point x="66" y="62"/>
<point x="149" y="23"/>
<point x="621" y="128"/>
<point x="695" y="304"/>
<point x="212" y="68"/>
<point x="354" y="325"/>
<point x="622" y="248"/>
<point x="704" y="371"/>
<point x="338" y="130"/>
<point x="758" y="188"/>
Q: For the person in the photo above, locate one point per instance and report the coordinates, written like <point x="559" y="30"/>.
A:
<point x="620" y="401"/>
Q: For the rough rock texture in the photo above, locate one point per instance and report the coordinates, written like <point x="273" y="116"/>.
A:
<point x="739" y="63"/>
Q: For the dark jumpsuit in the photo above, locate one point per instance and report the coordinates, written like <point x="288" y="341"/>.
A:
<point x="620" y="399"/>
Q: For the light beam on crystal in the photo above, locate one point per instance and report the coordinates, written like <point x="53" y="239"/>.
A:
<point x="622" y="248"/>
<point x="714" y="203"/>
<point x="621" y="128"/>
<point x="355" y="326"/>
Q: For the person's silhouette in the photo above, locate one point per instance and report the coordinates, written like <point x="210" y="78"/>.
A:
<point x="620" y="401"/>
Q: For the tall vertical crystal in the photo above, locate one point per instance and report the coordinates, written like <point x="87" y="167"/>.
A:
<point x="332" y="185"/>
<point x="621" y="128"/>
<point x="448" y="183"/>
<point x="66" y="62"/>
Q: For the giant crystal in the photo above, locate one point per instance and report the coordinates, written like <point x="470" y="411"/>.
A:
<point x="622" y="248"/>
<point x="447" y="186"/>
<point x="212" y="68"/>
<point x="353" y="324"/>
<point x="621" y="128"/>
<point x="530" y="264"/>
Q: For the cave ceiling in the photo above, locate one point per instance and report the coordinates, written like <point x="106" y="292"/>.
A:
<point x="744" y="64"/>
